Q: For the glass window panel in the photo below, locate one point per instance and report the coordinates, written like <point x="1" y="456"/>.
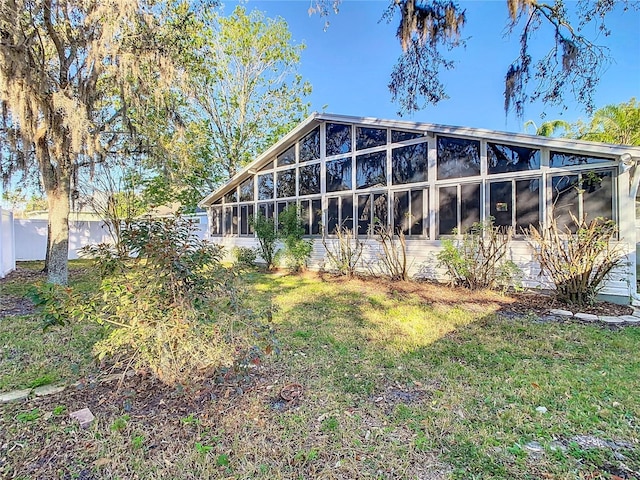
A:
<point x="280" y="207"/>
<point x="338" y="139"/>
<point x="559" y="159"/>
<point x="268" y="166"/>
<point x="370" y="137"/>
<point x="288" y="157"/>
<point x="469" y="206"/>
<point x="527" y="204"/>
<point x="401" y="212"/>
<point x="227" y="220"/>
<point x="380" y="209"/>
<point x="235" y="221"/>
<point x="346" y="219"/>
<point x="417" y="215"/>
<point x="218" y="202"/>
<point x="458" y="157"/>
<point x="246" y="190"/>
<point x="501" y="203"/>
<point x="409" y="164"/>
<point x="339" y="175"/>
<point x="265" y="186"/>
<point x="400" y="136"/>
<point x="447" y="210"/>
<point x="511" y="158"/>
<point x="310" y="179"/>
<point x="332" y="215"/>
<point x="305" y="213"/>
<point x="597" y="194"/>
<point x="371" y="170"/>
<point x="310" y="146"/>
<point x="250" y="217"/>
<point x="364" y="214"/>
<point x="316" y="219"/>
<point x="286" y="183"/>
<point x="565" y="200"/>
<point x="266" y="209"/>
<point x="216" y="221"/>
<point x="231" y="197"/>
<point x="244" y="220"/>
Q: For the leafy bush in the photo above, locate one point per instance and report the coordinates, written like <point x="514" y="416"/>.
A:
<point x="55" y="303"/>
<point x="245" y="257"/>
<point x="169" y="305"/>
<point x="297" y="250"/>
<point x="267" y="234"/>
<point x="577" y="263"/>
<point x="479" y="258"/>
<point x="344" y="254"/>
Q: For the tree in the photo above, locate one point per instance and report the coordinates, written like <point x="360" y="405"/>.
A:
<point x="75" y="80"/>
<point x="549" y="128"/>
<point x="244" y="93"/>
<point x="572" y="65"/>
<point x="618" y="124"/>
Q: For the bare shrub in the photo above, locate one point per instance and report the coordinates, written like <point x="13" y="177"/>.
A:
<point x="577" y="263"/>
<point x="479" y="258"/>
<point x="392" y="259"/>
<point x="344" y="254"/>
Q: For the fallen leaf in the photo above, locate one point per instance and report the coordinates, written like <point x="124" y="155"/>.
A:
<point x="101" y="462"/>
<point x="535" y="385"/>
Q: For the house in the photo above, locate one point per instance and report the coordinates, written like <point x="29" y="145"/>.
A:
<point x="430" y="181"/>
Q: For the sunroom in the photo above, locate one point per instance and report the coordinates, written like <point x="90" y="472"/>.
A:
<point x="430" y="181"/>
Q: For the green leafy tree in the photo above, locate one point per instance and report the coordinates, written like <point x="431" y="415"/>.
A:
<point x="549" y="128"/>
<point x="617" y="124"/>
<point x="244" y="92"/>
<point x="76" y="79"/>
<point x="572" y="65"/>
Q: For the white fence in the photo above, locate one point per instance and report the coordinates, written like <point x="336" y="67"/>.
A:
<point x="31" y="236"/>
<point x="7" y="243"/>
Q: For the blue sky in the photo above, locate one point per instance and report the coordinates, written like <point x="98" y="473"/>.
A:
<point x="349" y="64"/>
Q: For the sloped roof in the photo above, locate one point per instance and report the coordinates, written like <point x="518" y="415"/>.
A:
<point x="566" y="144"/>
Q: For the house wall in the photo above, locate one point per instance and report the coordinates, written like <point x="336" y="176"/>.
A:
<point x="460" y="176"/>
<point x="423" y="263"/>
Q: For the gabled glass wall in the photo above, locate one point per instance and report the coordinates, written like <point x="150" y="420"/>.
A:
<point x="422" y="184"/>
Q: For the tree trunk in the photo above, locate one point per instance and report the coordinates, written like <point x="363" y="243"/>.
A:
<point x="56" y="179"/>
<point x="58" y="245"/>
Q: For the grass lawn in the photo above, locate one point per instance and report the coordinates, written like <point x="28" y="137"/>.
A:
<point x="398" y="381"/>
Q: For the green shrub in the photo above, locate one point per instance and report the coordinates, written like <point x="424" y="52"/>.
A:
<point x="479" y="258"/>
<point x="297" y="250"/>
<point x="267" y="234"/>
<point x="245" y="257"/>
<point x="169" y="305"/>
